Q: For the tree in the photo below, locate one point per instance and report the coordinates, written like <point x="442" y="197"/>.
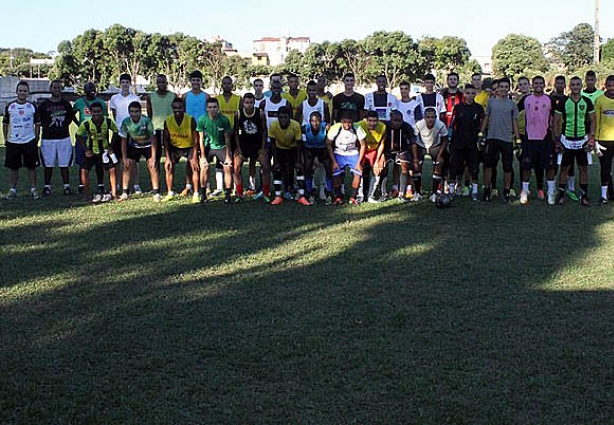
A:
<point x="574" y="48"/>
<point x="353" y="58"/>
<point x="294" y="63"/>
<point x="516" y="54"/>
<point x="607" y="50"/>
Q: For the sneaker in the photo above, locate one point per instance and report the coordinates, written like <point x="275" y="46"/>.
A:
<point x="46" y="192"/>
<point x="107" y="197"/>
<point x="157" y="197"/>
<point x="383" y="198"/>
<point x="552" y="198"/>
<point x="196" y="198"/>
<point x="186" y="192"/>
<point x="433" y="198"/>
<point x="402" y="200"/>
<point x="227" y="200"/>
<point x="394" y="193"/>
<point x="572" y="195"/>
<point x="416" y="198"/>
<point x="409" y="194"/>
<point x="353" y="201"/>
<point x="168" y="197"/>
<point x="541" y="195"/>
<point x="277" y="201"/>
<point x="507" y="198"/>
<point x="137" y="190"/>
<point x="216" y="192"/>
<point x="371" y="200"/>
<point x="288" y="196"/>
<point x="266" y="199"/>
<point x="524" y="197"/>
<point x="34" y="194"/>
<point x="338" y="200"/>
<point x="11" y="195"/>
<point x="303" y="201"/>
<point x="584" y="201"/>
<point x="603" y="201"/>
<point x="97" y="198"/>
<point x="328" y="200"/>
<point x="239" y="200"/>
<point x="466" y="191"/>
<point x="494" y="193"/>
<point x="250" y="192"/>
<point x="512" y="193"/>
<point x="123" y="197"/>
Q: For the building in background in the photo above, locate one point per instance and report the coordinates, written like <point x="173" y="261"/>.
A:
<point x="277" y="48"/>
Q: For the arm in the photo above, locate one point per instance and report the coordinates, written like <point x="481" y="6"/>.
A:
<point x="264" y="130"/>
<point x="331" y="153"/>
<point x="149" y="107"/>
<point x="326" y="116"/>
<point x="380" y="151"/>
<point x="299" y="114"/>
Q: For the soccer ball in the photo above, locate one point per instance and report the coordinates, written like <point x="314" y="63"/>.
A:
<point x="443" y="201"/>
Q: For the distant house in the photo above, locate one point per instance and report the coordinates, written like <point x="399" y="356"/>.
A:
<point x="277" y="48"/>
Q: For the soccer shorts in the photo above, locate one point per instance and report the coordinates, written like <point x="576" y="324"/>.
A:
<point x="536" y="154"/>
<point x="369" y="158"/>
<point x="494" y="148"/>
<point x="344" y="161"/>
<point x="21" y="155"/>
<point x="135" y="153"/>
<point x="177" y="153"/>
<point x="96" y="161"/>
<point x="56" y="152"/>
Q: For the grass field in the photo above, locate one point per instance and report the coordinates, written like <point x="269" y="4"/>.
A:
<point x="143" y="313"/>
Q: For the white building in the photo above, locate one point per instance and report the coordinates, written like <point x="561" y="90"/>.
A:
<point x="277" y="48"/>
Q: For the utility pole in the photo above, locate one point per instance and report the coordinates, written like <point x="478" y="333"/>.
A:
<point x="597" y="38"/>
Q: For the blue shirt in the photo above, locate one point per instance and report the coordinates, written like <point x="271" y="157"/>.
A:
<point x="196" y="105"/>
<point x="317" y="140"/>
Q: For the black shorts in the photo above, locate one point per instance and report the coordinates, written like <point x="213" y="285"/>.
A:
<point x="579" y="155"/>
<point x="250" y="151"/>
<point x="21" y="155"/>
<point x="433" y="152"/>
<point x="116" y="143"/>
<point x="494" y="147"/>
<point x="321" y="154"/>
<point x="467" y="156"/>
<point x="135" y="153"/>
<point x="96" y="161"/>
<point x="398" y="157"/>
<point x="537" y="154"/>
<point x="219" y="154"/>
<point x="177" y="153"/>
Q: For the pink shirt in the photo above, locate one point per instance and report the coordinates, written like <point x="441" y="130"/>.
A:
<point x="537" y="111"/>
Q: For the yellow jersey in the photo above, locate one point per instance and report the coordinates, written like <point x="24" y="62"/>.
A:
<point x="371" y="137"/>
<point x="286" y="138"/>
<point x="482" y="98"/>
<point x="295" y="101"/>
<point x="180" y="134"/>
<point x="604" y="115"/>
<point x="229" y="108"/>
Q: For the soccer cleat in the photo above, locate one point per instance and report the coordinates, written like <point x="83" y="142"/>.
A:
<point x="97" y="198"/>
<point x="507" y="198"/>
<point x="34" y="194"/>
<point x="157" y="197"/>
<point x="123" y="197"/>
<point x="168" y="197"/>
<point x="372" y="200"/>
<point x="277" y="201"/>
<point x="540" y="194"/>
<point x="258" y="195"/>
<point x="338" y="200"/>
<point x="394" y="193"/>
<point x="402" y="200"/>
<point x="303" y="201"/>
<point x="383" y="198"/>
<point x="11" y="195"/>
<point x="137" y="190"/>
<point x="494" y="193"/>
<point x="584" y="201"/>
<point x="46" y="192"/>
<point x="524" y="197"/>
<point x="466" y="191"/>
<point x="288" y="196"/>
<point x="433" y="198"/>
<point x="250" y="192"/>
<point x="107" y="197"/>
<point x="353" y="201"/>
<point x="195" y="198"/>
<point x="416" y="198"/>
<point x="186" y="192"/>
<point x="572" y="195"/>
<point x="603" y="201"/>
<point x="227" y="200"/>
<point x="239" y="200"/>
<point x="266" y="199"/>
<point x="216" y="193"/>
<point x="512" y="193"/>
<point x="552" y="198"/>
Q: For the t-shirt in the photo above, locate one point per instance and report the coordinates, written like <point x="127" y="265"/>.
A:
<point x="429" y="137"/>
<point x="329" y="102"/>
<point x="180" y="134"/>
<point x="575" y="116"/>
<point x="399" y="139"/>
<point x="97" y="136"/>
<point x="371" y="137"/>
<point x="381" y="103"/>
<point x="215" y="130"/>
<point x="195" y="104"/>
<point x="229" y="108"/>
<point x="55" y="119"/>
<point x="482" y="98"/>
<point x="425" y="100"/>
<point x="139" y="133"/>
<point x="120" y="104"/>
<point x="354" y="104"/>
<point x="82" y="108"/>
<point x="501" y="115"/>
<point x="286" y="138"/>
<point x="315" y="141"/>
<point x="537" y="110"/>
<point x="161" y="107"/>
<point x="308" y="110"/>
<point x="250" y="128"/>
<point x="556" y="100"/>
<point x="344" y="141"/>
<point x="592" y="95"/>
<point x="450" y="100"/>
<point x="407" y="109"/>
<point x="301" y="96"/>
<point x="466" y="120"/>
<point x="604" y="115"/>
<point x="22" y="119"/>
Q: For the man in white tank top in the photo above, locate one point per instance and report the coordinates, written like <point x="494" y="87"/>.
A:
<point x="271" y="105"/>
<point x="312" y="104"/>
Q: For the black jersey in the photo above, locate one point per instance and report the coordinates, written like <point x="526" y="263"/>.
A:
<point x="400" y="139"/>
<point x="250" y="128"/>
<point x="466" y="121"/>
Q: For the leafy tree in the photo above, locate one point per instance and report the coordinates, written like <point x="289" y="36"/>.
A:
<point x="294" y="63"/>
<point x="516" y="54"/>
<point x="353" y="58"/>
<point x="607" y="50"/>
<point x="574" y="48"/>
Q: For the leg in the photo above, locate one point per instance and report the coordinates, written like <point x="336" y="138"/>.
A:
<point x="237" y="174"/>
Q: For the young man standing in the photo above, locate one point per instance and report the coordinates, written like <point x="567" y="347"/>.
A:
<point x="56" y="115"/>
<point x="310" y="105"/>
<point x="381" y="101"/>
<point x="407" y="105"/>
<point x="576" y="138"/>
<point x="429" y="99"/>
<point x="93" y="135"/>
<point x="349" y="100"/>
<point x="558" y="96"/>
<point x="229" y="107"/>
<point x="21" y="118"/>
<point x="604" y="115"/>
<point x="286" y="137"/>
<point x="294" y="95"/>
<point x="315" y="148"/>
<point x="324" y="94"/>
<point x="160" y="106"/>
<point x="195" y="105"/>
<point x="452" y="96"/>
<point x="215" y="142"/>
<point x="591" y="91"/>
<point x="372" y="132"/>
<point x="466" y="124"/>
<point x="139" y="140"/>
<point x="83" y="113"/>
<point x="481" y="96"/>
<point x="180" y="140"/>
<point x="432" y="139"/>
<point x="501" y="119"/>
<point x="537" y="147"/>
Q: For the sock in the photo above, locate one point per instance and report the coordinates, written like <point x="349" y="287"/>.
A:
<point x="525" y="186"/>
<point x="155" y="191"/>
<point x="101" y="188"/>
<point x="14" y="190"/>
<point x="124" y="190"/>
<point x="562" y="189"/>
<point x="383" y="187"/>
<point x="452" y="188"/>
<point x="418" y="183"/>
<point x="550" y="186"/>
<point x="219" y="179"/>
<point x="252" y="183"/>
<point x="266" y="190"/>
<point x="309" y="184"/>
<point x="329" y="184"/>
<point x="227" y="192"/>
<point x="571" y="183"/>
<point x="436" y="183"/>
<point x="604" y="192"/>
<point x="474" y="188"/>
<point x="188" y="186"/>
<point x="66" y="185"/>
<point x="403" y="179"/>
<point x="33" y="189"/>
<point x="239" y="187"/>
<point x="277" y="185"/>
<point x="300" y="181"/>
<point x="48" y="186"/>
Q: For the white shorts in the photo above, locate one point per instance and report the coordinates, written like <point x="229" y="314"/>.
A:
<point x="56" y="152"/>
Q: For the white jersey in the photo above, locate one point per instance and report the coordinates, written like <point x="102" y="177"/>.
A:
<point x="383" y="111"/>
<point x="407" y="109"/>
<point x="345" y="141"/>
<point x="21" y="119"/>
<point x="439" y="104"/>
<point x="308" y="110"/>
<point x="270" y="110"/>
<point x="429" y="137"/>
<point x="120" y="104"/>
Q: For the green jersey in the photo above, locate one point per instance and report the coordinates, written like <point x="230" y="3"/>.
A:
<point x="97" y="136"/>
<point x="139" y="133"/>
<point x="82" y="108"/>
<point x="215" y="130"/>
<point x="575" y="116"/>
<point x="592" y="95"/>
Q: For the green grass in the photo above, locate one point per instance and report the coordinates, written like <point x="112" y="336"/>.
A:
<point x="136" y="312"/>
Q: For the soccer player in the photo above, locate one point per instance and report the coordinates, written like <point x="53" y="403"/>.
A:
<point x="315" y="148"/>
<point x="21" y="118"/>
<point x="537" y="146"/>
<point x="215" y="142"/>
<point x="466" y="124"/>
<point x="380" y="100"/>
<point x="229" y="107"/>
<point x="576" y="137"/>
<point x="56" y="114"/>
<point x="194" y="102"/>
<point x="119" y="108"/>
<point x="294" y="95"/>
<point x="502" y="121"/>
<point x="432" y="139"/>
<point x="139" y="141"/>
<point x="324" y="94"/>
<point x="558" y="96"/>
<point x="83" y="113"/>
<point x="406" y="105"/>
<point x="275" y="77"/>
<point x="396" y="150"/>
<point x="258" y="85"/>
<point x="286" y="137"/>
<point x="429" y="98"/>
<point x="372" y="132"/>
<point x="180" y="140"/>
<point x="348" y="100"/>
<point x="524" y="89"/>
<point x="591" y="91"/>
<point x="604" y="116"/>
<point x="252" y="145"/>
<point x="271" y="104"/>
<point x="481" y="96"/>
<point x="312" y="104"/>
<point x="160" y="106"/>
<point x="93" y="135"/>
<point x="452" y="96"/>
<point x="346" y="151"/>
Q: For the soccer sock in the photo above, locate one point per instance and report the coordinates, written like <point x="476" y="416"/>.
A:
<point x="436" y="183"/>
<point x="101" y="188"/>
<point x="474" y="188"/>
<point x="124" y="190"/>
<point x="266" y="190"/>
<point x="227" y="192"/>
<point x="66" y="185"/>
<point x="373" y="185"/>
<point x="239" y="187"/>
<point x="403" y="179"/>
<point x="155" y="191"/>
<point x="584" y="189"/>
<point x="219" y="179"/>
<point x="277" y="185"/>
<point x="48" y="186"/>
<point x="33" y="189"/>
<point x="383" y="187"/>
<point x="551" y="186"/>
<point x="452" y="188"/>
<point x="188" y="186"/>
<point x="329" y="184"/>
<point x="418" y="183"/>
<point x="525" y="186"/>
<point x="300" y="181"/>
<point x="571" y="183"/>
<point x="562" y="189"/>
<point x="252" y="183"/>
<point x="308" y="184"/>
<point x="604" y="192"/>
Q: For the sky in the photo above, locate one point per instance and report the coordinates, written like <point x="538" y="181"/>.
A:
<point x="42" y="24"/>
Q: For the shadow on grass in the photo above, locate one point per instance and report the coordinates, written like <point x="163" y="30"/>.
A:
<point x="249" y="314"/>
